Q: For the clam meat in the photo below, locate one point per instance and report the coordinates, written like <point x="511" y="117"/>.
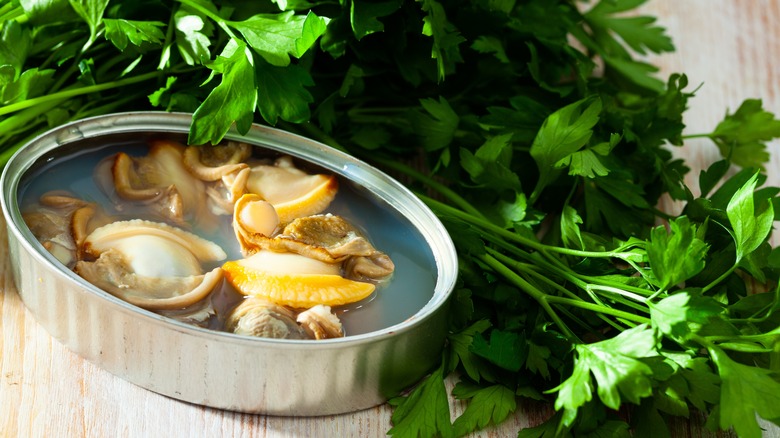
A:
<point x="263" y="318"/>
<point x="220" y="167"/>
<point x="293" y="192"/>
<point x="213" y="163"/>
<point x="259" y="317"/>
<point x="161" y="181"/>
<point x="324" y="237"/>
<point x="319" y="322"/>
<point x="150" y="264"/>
<point x="61" y="222"/>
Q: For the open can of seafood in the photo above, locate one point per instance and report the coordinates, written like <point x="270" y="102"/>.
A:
<point x="351" y="317"/>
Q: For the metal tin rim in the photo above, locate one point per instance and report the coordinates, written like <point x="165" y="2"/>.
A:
<point x="367" y="176"/>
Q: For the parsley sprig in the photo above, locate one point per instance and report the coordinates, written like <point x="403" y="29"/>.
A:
<point x="539" y="138"/>
<point x="654" y="318"/>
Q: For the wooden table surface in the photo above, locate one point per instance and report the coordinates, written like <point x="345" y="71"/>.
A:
<point x="730" y="47"/>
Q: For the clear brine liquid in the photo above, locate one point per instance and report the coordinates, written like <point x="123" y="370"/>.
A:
<point x="409" y="289"/>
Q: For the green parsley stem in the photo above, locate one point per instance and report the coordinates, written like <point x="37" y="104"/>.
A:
<point x="614" y="293"/>
<point x="23" y="118"/>
<point x="547" y="263"/>
<point x="223" y="23"/>
<point x="643" y="293"/>
<point x="618" y="291"/>
<point x="202" y="10"/>
<point x="584" y="281"/>
<point x="528" y="269"/>
<point x="435" y="185"/>
<point x="599" y="309"/>
<point x="483" y="223"/>
<point x="558" y="270"/>
<point x="615" y="324"/>
<point x="766" y="310"/>
<point x="616" y="297"/>
<point x="73" y="92"/>
<point x="577" y="320"/>
<point x="7" y="7"/>
<point x="105" y="108"/>
<point x="590" y="330"/>
<point x="771" y="337"/>
<point x="589" y="284"/>
<point x="10" y="12"/>
<point x="745" y="348"/>
<point x="166" y="46"/>
<point x="536" y="294"/>
<point x="108" y="65"/>
<point x="703" y="341"/>
<point x="475" y="217"/>
<point x="721" y="278"/>
<point x="63" y="79"/>
<point x="545" y="299"/>
<point x="27" y="118"/>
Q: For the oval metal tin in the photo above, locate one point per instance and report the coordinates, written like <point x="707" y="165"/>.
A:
<point x="217" y="369"/>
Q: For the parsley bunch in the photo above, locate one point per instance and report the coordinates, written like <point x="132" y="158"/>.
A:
<point x="545" y="143"/>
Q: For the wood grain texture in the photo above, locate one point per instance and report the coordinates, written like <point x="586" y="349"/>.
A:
<point x="730" y="47"/>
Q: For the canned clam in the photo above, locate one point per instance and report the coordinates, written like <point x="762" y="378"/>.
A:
<point x="386" y="299"/>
